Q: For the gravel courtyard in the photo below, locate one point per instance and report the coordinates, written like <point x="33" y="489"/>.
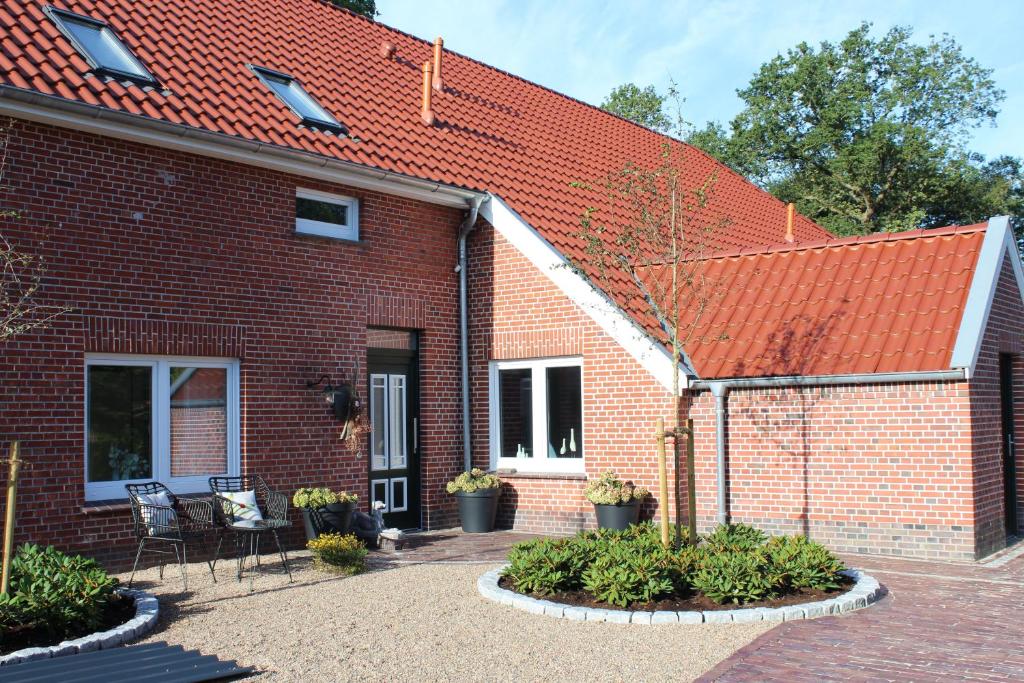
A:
<point x="413" y="621"/>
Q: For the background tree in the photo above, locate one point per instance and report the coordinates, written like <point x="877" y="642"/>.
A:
<point x="367" y="8"/>
<point x="870" y="134"/>
<point x="644" y="106"/>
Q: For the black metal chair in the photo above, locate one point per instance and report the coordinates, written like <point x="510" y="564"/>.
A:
<point x="175" y="525"/>
<point x="229" y="515"/>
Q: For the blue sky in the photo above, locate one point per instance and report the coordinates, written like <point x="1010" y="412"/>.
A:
<point x="584" y="48"/>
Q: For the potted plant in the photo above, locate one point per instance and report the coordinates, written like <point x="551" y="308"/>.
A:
<point x="325" y="511"/>
<point x="616" y="502"/>
<point x="477" y="493"/>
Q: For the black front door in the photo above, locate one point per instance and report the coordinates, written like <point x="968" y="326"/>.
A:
<point x="393" y="398"/>
<point x="1009" y="442"/>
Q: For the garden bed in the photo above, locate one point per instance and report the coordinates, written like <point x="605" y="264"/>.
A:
<point x="698" y="603"/>
<point x="737" y="568"/>
<point x="118" y="610"/>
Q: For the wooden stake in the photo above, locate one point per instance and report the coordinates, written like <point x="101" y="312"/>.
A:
<point x="12" y="491"/>
<point x="663" y="481"/>
<point x="691" y="483"/>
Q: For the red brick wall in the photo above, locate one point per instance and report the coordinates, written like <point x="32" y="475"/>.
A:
<point x="1003" y="335"/>
<point x="164" y="253"/>
<point x="870" y="468"/>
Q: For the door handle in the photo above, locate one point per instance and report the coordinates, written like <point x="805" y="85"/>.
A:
<point x="415" y="435"/>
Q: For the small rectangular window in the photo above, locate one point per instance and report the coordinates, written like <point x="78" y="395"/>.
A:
<point x="291" y="92"/>
<point x="326" y="215"/>
<point x="100" y="47"/>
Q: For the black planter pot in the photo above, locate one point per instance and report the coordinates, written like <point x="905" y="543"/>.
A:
<point x="334" y="518"/>
<point x="617" y="516"/>
<point x="477" y="510"/>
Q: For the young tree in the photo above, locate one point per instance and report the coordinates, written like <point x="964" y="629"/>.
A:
<point x="651" y="231"/>
<point x="644" y="106"/>
<point x="869" y="134"/>
<point x="21" y="274"/>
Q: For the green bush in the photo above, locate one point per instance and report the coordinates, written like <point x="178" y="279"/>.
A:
<point x="736" y="576"/>
<point x="803" y="564"/>
<point x="548" y="566"/>
<point x="735" y="564"/>
<point x="343" y="554"/>
<point x="62" y="595"/>
<point x="621" y="575"/>
<point x="735" y="537"/>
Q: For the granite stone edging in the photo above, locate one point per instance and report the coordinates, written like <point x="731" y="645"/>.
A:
<point x="865" y="591"/>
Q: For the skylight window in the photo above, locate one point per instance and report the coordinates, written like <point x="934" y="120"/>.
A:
<point x="299" y="101"/>
<point x="100" y="47"/>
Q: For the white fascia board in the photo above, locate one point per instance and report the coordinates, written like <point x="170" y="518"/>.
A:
<point x="609" y="317"/>
<point x="110" y="123"/>
<point x="997" y="246"/>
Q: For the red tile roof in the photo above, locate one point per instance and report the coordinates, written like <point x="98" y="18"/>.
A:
<point x="884" y="303"/>
<point x="868" y="305"/>
<point x="495" y="131"/>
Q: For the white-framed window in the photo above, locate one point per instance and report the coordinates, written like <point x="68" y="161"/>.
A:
<point x="326" y="215"/>
<point x="172" y="419"/>
<point x="536" y="414"/>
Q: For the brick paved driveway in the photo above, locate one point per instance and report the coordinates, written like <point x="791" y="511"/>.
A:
<point x="939" y="622"/>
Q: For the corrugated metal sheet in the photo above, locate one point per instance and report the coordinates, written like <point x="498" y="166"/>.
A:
<point x="156" y="662"/>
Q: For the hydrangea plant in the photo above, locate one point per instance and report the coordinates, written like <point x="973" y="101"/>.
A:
<point x="608" y="489"/>
<point x="474" y="480"/>
<point x="314" y="498"/>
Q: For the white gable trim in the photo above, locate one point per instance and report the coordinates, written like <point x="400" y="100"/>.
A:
<point x="520" y="234"/>
<point x="998" y="245"/>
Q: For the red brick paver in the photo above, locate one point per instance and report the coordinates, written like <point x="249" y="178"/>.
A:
<point x="939" y="621"/>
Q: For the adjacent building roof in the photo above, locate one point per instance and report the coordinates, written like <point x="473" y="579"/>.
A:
<point x="877" y="304"/>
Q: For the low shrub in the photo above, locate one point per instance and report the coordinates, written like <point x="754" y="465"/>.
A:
<point x="736" y="576"/>
<point x="735" y="537"/>
<point x="608" y="489"/>
<point x="735" y="564"/>
<point x="344" y="554"/>
<point x="63" y="595"/>
<point x="802" y="563"/>
<point x="474" y="480"/>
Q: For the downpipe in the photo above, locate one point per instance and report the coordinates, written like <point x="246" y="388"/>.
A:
<point x="464" y="230"/>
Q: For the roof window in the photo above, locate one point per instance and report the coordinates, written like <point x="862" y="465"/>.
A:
<point x="100" y="47"/>
<point x="299" y="101"/>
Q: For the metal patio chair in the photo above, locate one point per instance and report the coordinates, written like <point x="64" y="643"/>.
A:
<point x="175" y="525"/>
<point x="273" y="508"/>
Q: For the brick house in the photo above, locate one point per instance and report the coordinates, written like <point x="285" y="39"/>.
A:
<point x="238" y="200"/>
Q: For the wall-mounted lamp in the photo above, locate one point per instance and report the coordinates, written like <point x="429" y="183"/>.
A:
<point x="339" y="396"/>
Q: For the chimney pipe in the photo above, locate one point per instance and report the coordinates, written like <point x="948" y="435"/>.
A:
<point x="438" y="51"/>
<point x="427" y="113"/>
<point x="789" y="222"/>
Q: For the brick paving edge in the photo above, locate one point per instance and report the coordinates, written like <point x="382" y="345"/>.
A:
<point x="865" y="592"/>
<point x="147" y="609"/>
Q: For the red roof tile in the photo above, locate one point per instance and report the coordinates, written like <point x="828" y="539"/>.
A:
<point x="885" y="303"/>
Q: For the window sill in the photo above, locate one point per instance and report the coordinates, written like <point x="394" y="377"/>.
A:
<point x="118" y="505"/>
<point x="358" y="242"/>
<point x="517" y="474"/>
